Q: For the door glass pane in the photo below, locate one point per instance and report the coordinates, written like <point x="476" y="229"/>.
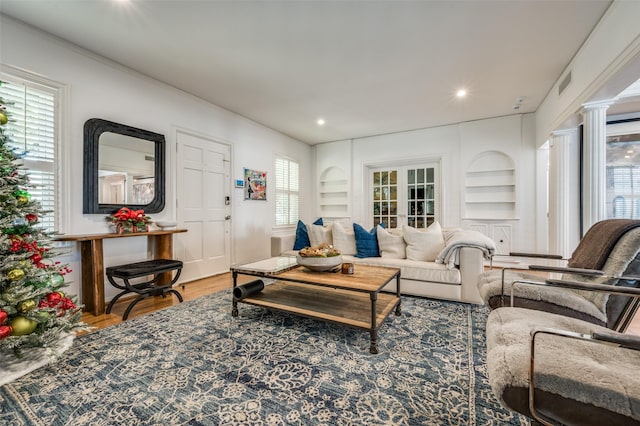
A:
<point x="413" y="203"/>
<point x="421" y="196"/>
<point x="376" y="193"/>
<point x="430" y="175"/>
<point x="385" y="196"/>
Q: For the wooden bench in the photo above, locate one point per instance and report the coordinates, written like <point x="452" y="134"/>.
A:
<point x="155" y="267"/>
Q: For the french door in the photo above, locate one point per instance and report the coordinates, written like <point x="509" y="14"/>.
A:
<point x="405" y="195"/>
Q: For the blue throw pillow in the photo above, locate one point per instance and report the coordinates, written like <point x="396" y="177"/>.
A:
<point x="366" y="242"/>
<point x="302" y="236"/>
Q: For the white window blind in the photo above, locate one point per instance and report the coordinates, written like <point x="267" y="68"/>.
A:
<point x="287" y="191"/>
<point x="32" y="130"/>
<point x="623" y="184"/>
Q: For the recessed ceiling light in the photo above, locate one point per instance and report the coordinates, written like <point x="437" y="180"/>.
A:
<point x="630" y="151"/>
<point x="461" y="93"/>
<point x="627" y="156"/>
<point x="320" y="121"/>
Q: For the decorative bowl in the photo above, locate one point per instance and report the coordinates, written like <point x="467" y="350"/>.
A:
<point x="164" y="224"/>
<point x="319" y="264"/>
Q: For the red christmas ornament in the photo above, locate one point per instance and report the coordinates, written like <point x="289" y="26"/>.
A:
<point x="32" y="218"/>
<point x="3" y="316"/>
<point x="36" y="258"/>
<point x="5" y="331"/>
<point x="53" y="298"/>
<point x="68" y="304"/>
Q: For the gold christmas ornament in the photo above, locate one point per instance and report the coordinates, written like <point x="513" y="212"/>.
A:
<point x="15" y="274"/>
<point x="22" y="326"/>
<point x="26" y="305"/>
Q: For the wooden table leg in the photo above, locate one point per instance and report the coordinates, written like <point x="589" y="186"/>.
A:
<point x="162" y="249"/>
<point x="92" y="276"/>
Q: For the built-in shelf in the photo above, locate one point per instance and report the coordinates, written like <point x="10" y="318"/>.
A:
<point x="490" y="187"/>
<point x="333" y="193"/>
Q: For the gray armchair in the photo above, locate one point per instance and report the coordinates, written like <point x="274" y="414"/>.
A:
<point x="561" y="370"/>
<point x="614" y="247"/>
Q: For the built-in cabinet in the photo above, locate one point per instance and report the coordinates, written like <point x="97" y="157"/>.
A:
<point x="334" y="193"/>
<point x="489" y="202"/>
<point x="500" y="233"/>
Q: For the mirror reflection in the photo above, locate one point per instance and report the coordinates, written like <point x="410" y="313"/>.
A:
<point x="125" y="169"/>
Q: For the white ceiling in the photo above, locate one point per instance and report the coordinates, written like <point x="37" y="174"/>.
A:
<point x="366" y="67"/>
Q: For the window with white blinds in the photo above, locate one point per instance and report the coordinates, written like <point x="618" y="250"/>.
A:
<point x="32" y="130"/>
<point x="287" y="191"/>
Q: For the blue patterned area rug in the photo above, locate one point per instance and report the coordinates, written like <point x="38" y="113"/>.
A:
<point x="193" y="364"/>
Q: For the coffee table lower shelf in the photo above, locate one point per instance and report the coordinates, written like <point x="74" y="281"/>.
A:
<point x="341" y="306"/>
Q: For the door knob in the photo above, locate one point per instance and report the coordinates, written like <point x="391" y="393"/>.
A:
<point x="227" y="217"/>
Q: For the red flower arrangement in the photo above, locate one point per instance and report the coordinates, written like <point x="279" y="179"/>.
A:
<point x="127" y="220"/>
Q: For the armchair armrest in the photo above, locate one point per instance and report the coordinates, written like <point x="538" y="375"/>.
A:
<point x="602" y="337"/>
<point x="578" y="285"/>
<point x="625" y="340"/>
<point x="538" y="255"/>
<point x="545" y="268"/>
<point x="579" y="271"/>
<point x="601" y="287"/>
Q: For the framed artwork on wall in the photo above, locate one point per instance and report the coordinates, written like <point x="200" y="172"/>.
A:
<point x="255" y="187"/>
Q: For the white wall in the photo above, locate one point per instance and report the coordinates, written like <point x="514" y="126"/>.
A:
<point x="99" y="88"/>
<point x="606" y="64"/>
<point x="455" y="146"/>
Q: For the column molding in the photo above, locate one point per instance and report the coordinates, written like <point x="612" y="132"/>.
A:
<point x="594" y="161"/>
<point x="560" y="191"/>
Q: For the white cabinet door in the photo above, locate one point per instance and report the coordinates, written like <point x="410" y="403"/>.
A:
<point x="500" y="233"/>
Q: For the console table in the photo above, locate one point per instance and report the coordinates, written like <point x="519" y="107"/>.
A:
<point x="92" y="259"/>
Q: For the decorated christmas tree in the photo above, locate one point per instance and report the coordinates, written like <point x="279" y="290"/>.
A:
<point x="34" y="312"/>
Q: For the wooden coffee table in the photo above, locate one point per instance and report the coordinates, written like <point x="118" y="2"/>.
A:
<point x="353" y="300"/>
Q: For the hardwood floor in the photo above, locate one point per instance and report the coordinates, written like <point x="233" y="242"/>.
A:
<point x="189" y="291"/>
<point x="195" y="289"/>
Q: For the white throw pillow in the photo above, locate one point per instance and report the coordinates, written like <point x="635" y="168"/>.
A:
<point x="344" y="239"/>
<point x="319" y="234"/>
<point x="423" y="244"/>
<point x="391" y="246"/>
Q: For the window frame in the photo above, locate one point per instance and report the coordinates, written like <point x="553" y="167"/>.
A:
<point x="60" y="92"/>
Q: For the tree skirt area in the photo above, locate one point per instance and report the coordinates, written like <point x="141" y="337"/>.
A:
<point x="195" y="364"/>
<point x="12" y="367"/>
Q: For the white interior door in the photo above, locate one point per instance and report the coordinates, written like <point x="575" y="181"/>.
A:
<point x="203" y="191"/>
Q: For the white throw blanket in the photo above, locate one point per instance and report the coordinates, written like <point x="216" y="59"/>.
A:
<point x="450" y="254"/>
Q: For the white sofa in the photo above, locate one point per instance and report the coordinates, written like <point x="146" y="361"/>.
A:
<point x="457" y="282"/>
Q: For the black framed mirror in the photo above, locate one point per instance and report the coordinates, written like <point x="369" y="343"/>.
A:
<point x="123" y="167"/>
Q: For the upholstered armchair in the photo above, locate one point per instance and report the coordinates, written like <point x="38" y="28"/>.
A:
<point x="607" y="258"/>
<point x="561" y="370"/>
